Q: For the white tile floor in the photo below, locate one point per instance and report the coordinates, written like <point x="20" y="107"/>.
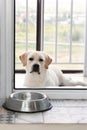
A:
<point x="63" y="111"/>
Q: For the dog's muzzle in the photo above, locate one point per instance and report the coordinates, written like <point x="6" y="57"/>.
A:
<point x="35" y="68"/>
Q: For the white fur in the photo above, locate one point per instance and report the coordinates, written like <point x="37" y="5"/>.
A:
<point x="47" y="77"/>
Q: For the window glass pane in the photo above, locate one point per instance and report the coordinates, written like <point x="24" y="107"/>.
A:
<point x="49" y="26"/>
<point x="64" y="16"/>
<point x="25" y="28"/>
<point x="20" y="30"/>
<point x="61" y="35"/>
<point x="68" y="41"/>
<point x="78" y="31"/>
<point x="32" y="4"/>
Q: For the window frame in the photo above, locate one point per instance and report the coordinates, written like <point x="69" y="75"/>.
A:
<point x="6" y="47"/>
<point x="53" y="93"/>
<point x="85" y="54"/>
<point x="7" y="59"/>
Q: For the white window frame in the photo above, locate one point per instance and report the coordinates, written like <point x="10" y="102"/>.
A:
<point x="85" y="54"/>
<point x="6" y="47"/>
<point x="7" y="58"/>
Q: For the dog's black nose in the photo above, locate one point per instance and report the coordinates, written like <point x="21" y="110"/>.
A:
<point x="36" y="67"/>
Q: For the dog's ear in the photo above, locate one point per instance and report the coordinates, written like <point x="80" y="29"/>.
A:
<point x="48" y="61"/>
<point x="23" y="58"/>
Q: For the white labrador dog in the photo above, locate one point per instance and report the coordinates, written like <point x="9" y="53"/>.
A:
<point x="40" y="74"/>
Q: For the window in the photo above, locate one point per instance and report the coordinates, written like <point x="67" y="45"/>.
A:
<point x="7" y="50"/>
<point x="55" y="27"/>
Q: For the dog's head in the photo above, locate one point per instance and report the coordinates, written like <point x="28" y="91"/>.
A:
<point x="35" y="61"/>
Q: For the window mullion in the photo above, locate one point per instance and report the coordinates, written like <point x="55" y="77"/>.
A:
<point x="38" y="30"/>
<point x="40" y="25"/>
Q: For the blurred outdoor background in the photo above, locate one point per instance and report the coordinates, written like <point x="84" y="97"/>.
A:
<point x="70" y="26"/>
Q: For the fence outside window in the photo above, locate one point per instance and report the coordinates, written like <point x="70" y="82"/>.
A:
<point x="54" y="26"/>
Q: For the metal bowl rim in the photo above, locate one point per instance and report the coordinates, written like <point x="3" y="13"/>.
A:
<point x="21" y="100"/>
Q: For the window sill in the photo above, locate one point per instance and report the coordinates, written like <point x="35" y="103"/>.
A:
<point x="63" y="112"/>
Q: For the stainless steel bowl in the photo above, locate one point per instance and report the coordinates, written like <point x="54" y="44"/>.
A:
<point x="27" y="102"/>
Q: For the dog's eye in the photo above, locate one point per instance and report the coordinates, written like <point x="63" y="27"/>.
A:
<point x="41" y="60"/>
<point x="31" y="59"/>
